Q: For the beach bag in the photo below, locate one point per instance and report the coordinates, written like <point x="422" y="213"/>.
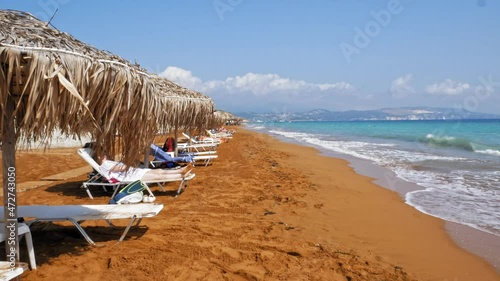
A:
<point x="130" y="194"/>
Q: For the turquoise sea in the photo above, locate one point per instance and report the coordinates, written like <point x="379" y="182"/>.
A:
<point x="454" y="164"/>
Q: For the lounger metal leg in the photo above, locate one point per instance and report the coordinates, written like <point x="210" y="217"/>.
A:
<point x="110" y="223"/>
<point x="161" y="187"/>
<point x="82" y="231"/>
<point x="127" y="229"/>
<point x="73" y="221"/>
<point x="87" y="237"/>
<point x="88" y="191"/>
<point x="180" y="188"/>
<point x="114" y="192"/>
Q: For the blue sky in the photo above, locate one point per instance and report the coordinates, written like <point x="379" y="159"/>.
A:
<point x="297" y="55"/>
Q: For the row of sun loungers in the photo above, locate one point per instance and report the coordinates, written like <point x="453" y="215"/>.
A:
<point x="204" y="150"/>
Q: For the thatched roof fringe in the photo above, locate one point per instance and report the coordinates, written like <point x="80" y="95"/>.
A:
<point x="102" y="86"/>
<point x="58" y="81"/>
<point x="49" y="84"/>
<point x="37" y="82"/>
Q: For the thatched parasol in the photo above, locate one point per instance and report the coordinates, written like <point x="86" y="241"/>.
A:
<point x="50" y="80"/>
<point x="218" y="119"/>
<point x="183" y="109"/>
<point x="221" y="118"/>
<point x="56" y="81"/>
<point x="186" y="109"/>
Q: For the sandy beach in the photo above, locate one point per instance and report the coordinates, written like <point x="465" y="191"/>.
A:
<point x="264" y="210"/>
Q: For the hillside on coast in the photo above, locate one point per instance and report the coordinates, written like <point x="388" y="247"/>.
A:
<point x="403" y="113"/>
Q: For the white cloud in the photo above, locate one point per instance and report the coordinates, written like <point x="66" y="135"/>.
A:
<point x="253" y="83"/>
<point x="182" y="77"/>
<point x="262" y="84"/>
<point x="343" y="86"/>
<point x="447" y="87"/>
<point x="401" y="86"/>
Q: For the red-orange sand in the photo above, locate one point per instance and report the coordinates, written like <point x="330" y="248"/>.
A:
<point x="264" y="210"/>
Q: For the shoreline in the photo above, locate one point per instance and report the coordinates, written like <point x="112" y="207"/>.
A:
<point x="483" y="244"/>
<point x="476" y="241"/>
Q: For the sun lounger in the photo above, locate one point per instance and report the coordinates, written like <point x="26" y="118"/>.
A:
<point x="205" y="156"/>
<point x="76" y="214"/>
<point x="22" y="228"/>
<point x="101" y="180"/>
<point x="198" y="147"/>
<point x="211" y="141"/>
<point x="219" y="135"/>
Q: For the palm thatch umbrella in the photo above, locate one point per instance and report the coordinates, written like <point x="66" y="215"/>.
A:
<point x="55" y="81"/>
<point x="186" y="109"/>
<point x="218" y="119"/>
<point x="50" y="80"/>
<point x="221" y="118"/>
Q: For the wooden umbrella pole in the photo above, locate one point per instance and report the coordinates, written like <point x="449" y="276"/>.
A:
<point x="9" y="184"/>
<point x="176" y="150"/>
<point x="146" y="155"/>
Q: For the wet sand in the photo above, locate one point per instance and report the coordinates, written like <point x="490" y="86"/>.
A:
<point x="265" y="210"/>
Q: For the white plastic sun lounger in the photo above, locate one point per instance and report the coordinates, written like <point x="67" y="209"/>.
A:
<point x="76" y="214"/>
<point x="211" y="141"/>
<point x="219" y="135"/>
<point x="200" y="147"/>
<point x="85" y="153"/>
<point x="22" y="228"/>
<point x="205" y="156"/>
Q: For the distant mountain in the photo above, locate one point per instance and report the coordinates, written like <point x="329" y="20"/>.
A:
<point x="403" y="113"/>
